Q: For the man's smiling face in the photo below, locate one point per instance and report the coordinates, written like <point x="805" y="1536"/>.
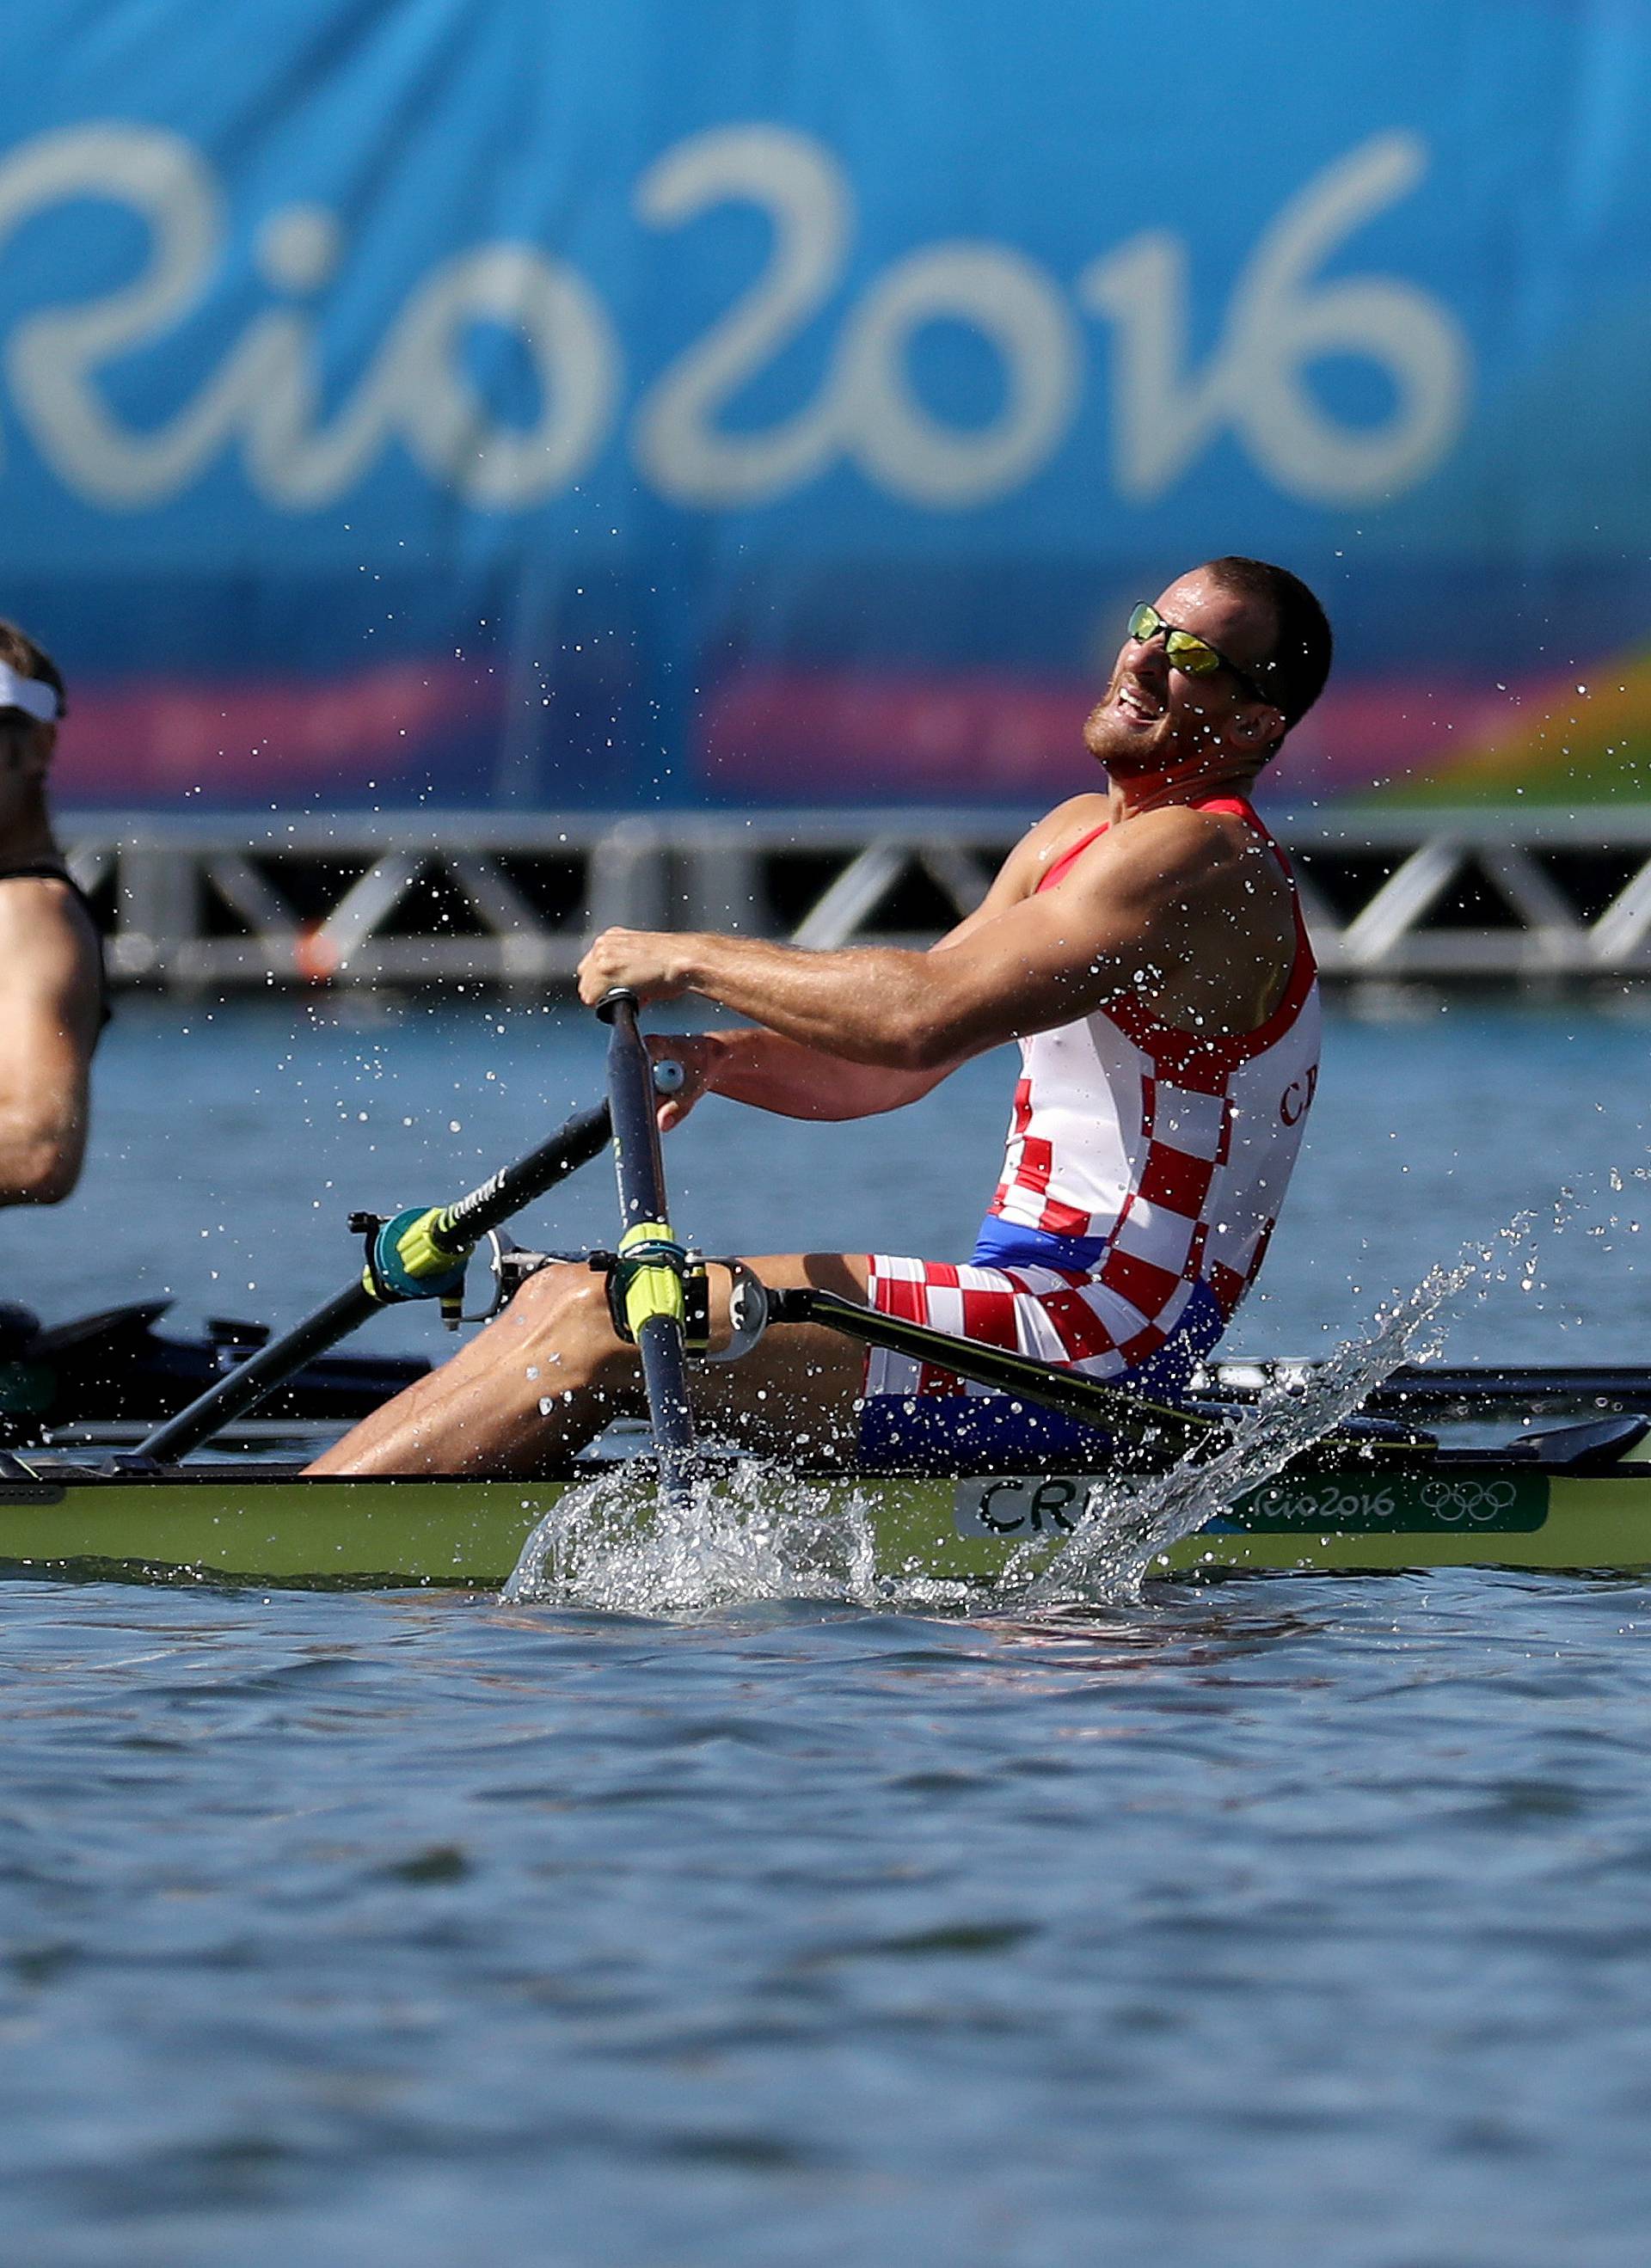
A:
<point x="1153" y="718"/>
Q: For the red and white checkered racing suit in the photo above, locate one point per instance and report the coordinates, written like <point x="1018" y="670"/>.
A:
<point x="1145" y="1169"/>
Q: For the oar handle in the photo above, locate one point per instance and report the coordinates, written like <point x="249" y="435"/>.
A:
<point x="639" y="1161"/>
<point x="653" y="1296"/>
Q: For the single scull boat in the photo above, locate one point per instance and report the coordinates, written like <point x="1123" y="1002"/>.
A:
<point x="1375" y="1492"/>
<point x="1578" y="1496"/>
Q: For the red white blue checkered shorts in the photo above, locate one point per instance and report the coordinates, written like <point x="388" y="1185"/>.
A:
<point x="916" y="1412"/>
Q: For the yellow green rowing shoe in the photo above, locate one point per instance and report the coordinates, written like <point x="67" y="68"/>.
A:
<point x="1572" y="1497"/>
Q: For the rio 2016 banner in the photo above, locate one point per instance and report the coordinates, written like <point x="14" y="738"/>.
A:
<point x="616" y="405"/>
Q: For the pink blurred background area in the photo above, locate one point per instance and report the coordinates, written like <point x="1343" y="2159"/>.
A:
<point x="820" y="734"/>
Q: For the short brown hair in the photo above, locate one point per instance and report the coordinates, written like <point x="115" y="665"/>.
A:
<point x="20" y="652"/>
<point x="1292" y="675"/>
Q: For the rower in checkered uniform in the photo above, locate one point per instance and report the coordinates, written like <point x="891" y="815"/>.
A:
<point x="1142" y="1178"/>
<point x="1143" y="945"/>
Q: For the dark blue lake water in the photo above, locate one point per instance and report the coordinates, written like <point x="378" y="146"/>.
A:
<point x="1282" y="1921"/>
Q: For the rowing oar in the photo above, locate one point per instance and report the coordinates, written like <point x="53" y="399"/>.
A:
<point x="649" y="1268"/>
<point x="419" y="1255"/>
<point x="1169" y="1430"/>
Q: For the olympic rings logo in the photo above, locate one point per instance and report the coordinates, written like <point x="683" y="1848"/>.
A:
<point x="1467" y="1502"/>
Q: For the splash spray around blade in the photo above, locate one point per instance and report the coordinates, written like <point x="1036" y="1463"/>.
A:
<point x="1129" y="1526"/>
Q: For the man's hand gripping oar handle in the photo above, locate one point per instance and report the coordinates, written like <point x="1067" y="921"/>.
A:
<point x="651" y="1261"/>
<point x="416" y="1255"/>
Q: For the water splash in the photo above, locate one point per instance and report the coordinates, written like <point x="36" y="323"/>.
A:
<point x="1128" y="1525"/>
<point x="753" y="1530"/>
<point x="745" y="1530"/>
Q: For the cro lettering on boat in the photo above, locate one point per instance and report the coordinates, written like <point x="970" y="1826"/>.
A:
<point x="1017" y="1506"/>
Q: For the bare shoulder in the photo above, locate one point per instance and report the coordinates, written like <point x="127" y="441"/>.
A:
<point x="47" y="943"/>
<point x="1055" y="834"/>
<point x="1188" y="849"/>
<point x="1022" y="872"/>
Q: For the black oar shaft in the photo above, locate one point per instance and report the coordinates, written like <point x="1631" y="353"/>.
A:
<point x="491" y="1204"/>
<point x="1157" y="1426"/>
<point x="1091" y="1401"/>
<point x="639" y="1161"/>
<point x="654" y="1296"/>
<point x="242" y="1389"/>
<point x="461" y="1226"/>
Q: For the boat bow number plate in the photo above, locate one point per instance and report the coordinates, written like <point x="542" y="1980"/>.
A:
<point x="1023" y="1506"/>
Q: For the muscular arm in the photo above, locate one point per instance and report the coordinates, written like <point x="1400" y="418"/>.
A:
<point x="796" y="1079"/>
<point x="771" y="1072"/>
<point x="50" y="999"/>
<point x="1166" y="893"/>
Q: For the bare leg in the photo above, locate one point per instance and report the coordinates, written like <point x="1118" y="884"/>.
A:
<point x="546" y="1376"/>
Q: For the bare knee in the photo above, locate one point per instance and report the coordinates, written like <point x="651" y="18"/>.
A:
<point x="560" y="1317"/>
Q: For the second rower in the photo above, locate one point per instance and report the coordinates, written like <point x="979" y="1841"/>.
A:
<point x="52" y="996"/>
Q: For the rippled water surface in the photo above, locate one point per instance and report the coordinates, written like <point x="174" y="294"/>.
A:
<point x="1277" y="1921"/>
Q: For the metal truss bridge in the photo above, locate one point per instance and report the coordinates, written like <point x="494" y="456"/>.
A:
<point x="417" y="899"/>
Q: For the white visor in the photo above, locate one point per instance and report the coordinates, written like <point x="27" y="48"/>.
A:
<point x="32" y="695"/>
